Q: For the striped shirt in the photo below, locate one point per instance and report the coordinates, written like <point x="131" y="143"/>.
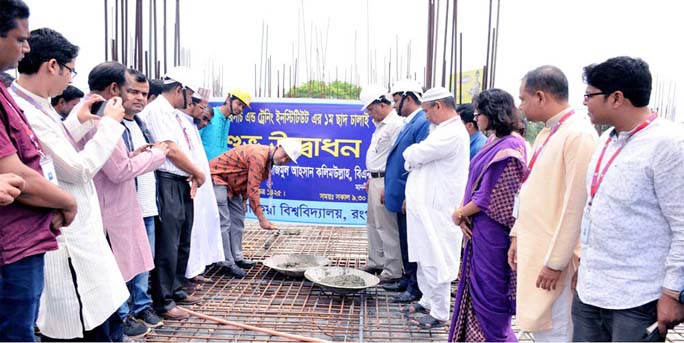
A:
<point x="242" y="169"/>
<point x="147" y="184"/>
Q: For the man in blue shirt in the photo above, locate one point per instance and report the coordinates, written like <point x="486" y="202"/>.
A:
<point x="406" y="95"/>
<point x="215" y="135"/>
<point x="477" y="138"/>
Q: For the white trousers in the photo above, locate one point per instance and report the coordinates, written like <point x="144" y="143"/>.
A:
<point x="561" y="318"/>
<point x="436" y="296"/>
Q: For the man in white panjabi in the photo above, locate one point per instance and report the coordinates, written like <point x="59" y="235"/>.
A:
<point x="83" y="284"/>
<point x="206" y="246"/>
<point x="438" y="172"/>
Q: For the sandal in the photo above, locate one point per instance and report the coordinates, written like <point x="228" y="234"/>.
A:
<point x="429" y="322"/>
<point x="417" y="308"/>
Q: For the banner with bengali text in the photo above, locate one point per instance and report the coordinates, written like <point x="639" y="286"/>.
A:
<point x="326" y="186"/>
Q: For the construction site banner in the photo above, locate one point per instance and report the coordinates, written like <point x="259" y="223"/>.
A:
<point x="327" y="185"/>
<point x="472" y="85"/>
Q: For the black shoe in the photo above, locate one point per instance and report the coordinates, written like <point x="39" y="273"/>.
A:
<point x="236" y="271"/>
<point x="371" y="270"/>
<point x="395" y="287"/>
<point x="133" y="329"/>
<point x="149" y="318"/>
<point x="405" y="297"/>
<point x="245" y="264"/>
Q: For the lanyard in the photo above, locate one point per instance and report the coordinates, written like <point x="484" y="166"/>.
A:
<point x="29" y="132"/>
<point x="597" y="178"/>
<point x="539" y="150"/>
<point x="39" y="107"/>
<point x="185" y="133"/>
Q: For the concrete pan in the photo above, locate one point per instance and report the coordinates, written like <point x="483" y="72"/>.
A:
<point x="319" y="275"/>
<point x="294" y="264"/>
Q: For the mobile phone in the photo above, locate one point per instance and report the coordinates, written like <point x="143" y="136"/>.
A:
<point x="653" y="334"/>
<point x="98" y="108"/>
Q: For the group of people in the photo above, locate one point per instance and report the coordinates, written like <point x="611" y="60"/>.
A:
<point x="580" y="237"/>
<point x="111" y="216"/>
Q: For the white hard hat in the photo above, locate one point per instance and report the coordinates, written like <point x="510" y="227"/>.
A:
<point x="372" y="93"/>
<point x="436" y="93"/>
<point x="407" y="86"/>
<point x="184" y="76"/>
<point x="292" y="147"/>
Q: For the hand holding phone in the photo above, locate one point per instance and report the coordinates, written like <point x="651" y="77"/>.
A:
<point x="98" y="108"/>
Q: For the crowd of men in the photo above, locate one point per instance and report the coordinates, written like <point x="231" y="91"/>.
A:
<point x="111" y="216"/>
<point x="528" y="213"/>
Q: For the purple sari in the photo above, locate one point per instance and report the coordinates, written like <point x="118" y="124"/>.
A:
<point x="485" y="301"/>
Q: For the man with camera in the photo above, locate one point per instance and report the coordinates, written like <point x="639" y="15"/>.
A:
<point x="117" y="183"/>
<point x="83" y="284"/>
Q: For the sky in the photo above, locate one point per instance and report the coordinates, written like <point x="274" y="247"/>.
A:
<point x="352" y="37"/>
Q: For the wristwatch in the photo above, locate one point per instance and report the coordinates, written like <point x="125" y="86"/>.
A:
<point x="681" y="297"/>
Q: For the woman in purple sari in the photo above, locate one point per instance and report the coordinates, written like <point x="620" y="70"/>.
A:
<point x="485" y="300"/>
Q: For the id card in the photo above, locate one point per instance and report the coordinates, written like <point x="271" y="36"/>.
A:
<point x="516" y="206"/>
<point x="49" y="169"/>
<point x="586" y="225"/>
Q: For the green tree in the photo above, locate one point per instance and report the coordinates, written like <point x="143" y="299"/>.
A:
<point x="321" y="90"/>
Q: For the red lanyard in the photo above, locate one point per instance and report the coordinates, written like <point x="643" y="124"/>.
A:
<point x="597" y="178"/>
<point x="185" y="133"/>
<point x="539" y="150"/>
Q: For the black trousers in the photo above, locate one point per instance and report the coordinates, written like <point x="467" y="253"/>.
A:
<point x="595" y="324"/>
<point x="410" y="268"/>
<point x="172" y="240"/>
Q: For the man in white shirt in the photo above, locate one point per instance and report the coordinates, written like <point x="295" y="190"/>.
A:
<point x="177" y="181"/>
<point x="206" y="245"/>
<point x="83" y="284"/>
<point x="384" y="253"/>
<point x="631" y="274"/>
<point x="438" y="172"/>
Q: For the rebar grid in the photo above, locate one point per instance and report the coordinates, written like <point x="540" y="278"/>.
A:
<point x="267" y="299"/>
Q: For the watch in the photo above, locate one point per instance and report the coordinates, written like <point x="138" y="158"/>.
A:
<point x="681" y="297"/>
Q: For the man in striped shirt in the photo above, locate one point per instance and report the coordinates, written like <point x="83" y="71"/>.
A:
<point x="237" y="174"/>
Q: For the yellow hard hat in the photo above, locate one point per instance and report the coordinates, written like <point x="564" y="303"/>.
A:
<point x="242" y="94"/>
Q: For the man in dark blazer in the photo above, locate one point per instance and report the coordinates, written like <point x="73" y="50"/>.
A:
<point x="406" y="94"/>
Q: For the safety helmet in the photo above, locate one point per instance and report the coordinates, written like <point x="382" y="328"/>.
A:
<point x="242" y="95"/>
<point x="184" y="76"/>
<point x="407" y="86"/>
<point x="292" y="147"/>
<point x="372" y="93"/>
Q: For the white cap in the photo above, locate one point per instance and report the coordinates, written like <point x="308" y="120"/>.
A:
<point x="372" y="93"/>
<point x="292" y="147"/>
<point x="407" y="86"/>
<point x="436" y="93"/>
<point x="182" y="75"/>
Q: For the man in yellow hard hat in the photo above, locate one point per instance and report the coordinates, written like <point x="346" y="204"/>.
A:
<point x="215" y="134"/>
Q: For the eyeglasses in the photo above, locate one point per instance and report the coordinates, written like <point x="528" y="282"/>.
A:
<point x="588" y="96"/>
<point x="73" y="72"/>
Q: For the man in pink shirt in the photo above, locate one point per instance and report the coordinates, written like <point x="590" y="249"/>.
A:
<point x="117" y="183"/>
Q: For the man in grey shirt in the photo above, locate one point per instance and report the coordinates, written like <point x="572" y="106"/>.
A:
<point x="632" y="266"/>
